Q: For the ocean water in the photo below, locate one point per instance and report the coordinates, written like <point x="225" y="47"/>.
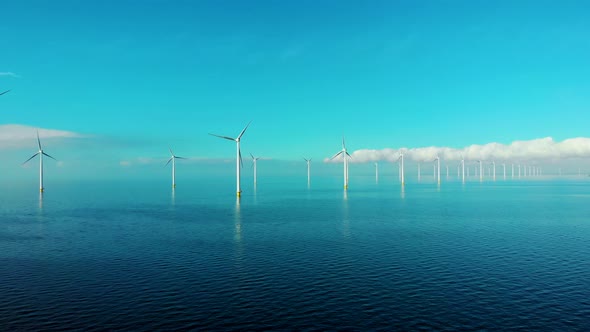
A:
<point x="502" y="255"/>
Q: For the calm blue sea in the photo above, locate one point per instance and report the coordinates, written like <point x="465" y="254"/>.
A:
<point x="502" y="255"/>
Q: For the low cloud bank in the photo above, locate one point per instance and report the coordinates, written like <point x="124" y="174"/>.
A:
<point x="537" y="149"/>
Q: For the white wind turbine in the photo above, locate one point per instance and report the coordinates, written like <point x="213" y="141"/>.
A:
<point x="308" y="162"/>
<point x="41" y="153"/>
<point x="238" y="156"/>
<point x="437" y="168"/>
<point x="494" y="170"/>
<point x="254" y="160"/>
<point x="463" y="168"/>
<point x="173" y="160"/>
<point x="504" y="167"/>
<point x="480" y="170"/>
<point x="344" y="154"/>
<point x="376" y="172"/>
<point x="401" y="161"/>
<point x="418" y="171"/>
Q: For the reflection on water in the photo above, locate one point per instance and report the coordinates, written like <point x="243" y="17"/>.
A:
<point x="173" y="197"/>
<point x="40" y="201"/>
<point x="237" y="222"/>
<point x="345" y="220"/>
<point x="403" y="192"/>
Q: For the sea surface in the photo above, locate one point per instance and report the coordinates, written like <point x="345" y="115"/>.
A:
<point x="131" y="255"/>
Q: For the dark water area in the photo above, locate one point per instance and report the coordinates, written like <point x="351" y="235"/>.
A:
<point x="502" y="255"/>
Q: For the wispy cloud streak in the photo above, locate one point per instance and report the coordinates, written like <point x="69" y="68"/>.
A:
<point x="9" y="74"/>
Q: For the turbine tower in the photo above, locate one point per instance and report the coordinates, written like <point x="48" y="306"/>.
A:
<point x="173" y="160"/>
<point x="376" y="172"/>
<point x="344" y="154"/>
<point x="480" y="171"/>
<point x="41" y="153"/>
<point x="401" y="160"/>
<point x="463" y="167"/>
<point x="504" y="167"/>
<point x="494" y="170"/>
<point x="254" y="160"/>
<point x="418" y="172"/>
<point x="308" y="162"/>
<point x="437" y="166"/>
<point x="238" y="156"/>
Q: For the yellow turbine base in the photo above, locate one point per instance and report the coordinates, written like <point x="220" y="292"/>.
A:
<point x="174" y="186"/>
<point x="239" y="194"/>
<point x="41" y="190"/>
<point x="345" y="187"/>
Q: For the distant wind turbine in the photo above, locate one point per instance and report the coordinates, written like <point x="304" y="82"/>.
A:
<point x="344" y="154"/>
<point x="494" y="170"/>
<point x="504" y="168"/>
<point x="376" y="172"/>
<point x="254" y="160"/>
<point x="463" y="168"/>
<point x="480" y="171"/>
<point x="41" y="153"/>
<point x="401" y="161"/>
<point x="173" y="160"/>
<point x="437" y="167"/>
<point x="238" y="156"/>
<point x="308" y="161"/>
<point x="418" y="172"/>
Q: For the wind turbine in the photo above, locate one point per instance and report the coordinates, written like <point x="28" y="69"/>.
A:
<point x="238" y="156"/>
<point x="401" y="160"/>
<point x="344" y="154"/>
<point x="463" y="167"/>
<point x="494" y="170"/>
<point x="480" y="170"/>
<point x="254" y="160"/>
<point x="173" y="160"/>
<point x="437" y="167"/>
<point x="308" y="161"/>
<point x="512" y="170"/>
<point x="504" y="167"/>
<point x="41" y="153"/>
<point x="1" y="93"/>
<point x="376" y="172"/>
<point x="418" y="172"/>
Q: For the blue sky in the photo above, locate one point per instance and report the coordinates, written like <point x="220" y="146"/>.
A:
<point x="137" y="76"/>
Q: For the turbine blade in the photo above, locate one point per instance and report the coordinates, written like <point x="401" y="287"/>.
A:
<point x="305" y="159"/>
<point x="244" y="130"/>
<point x="171" y="153"/>
<point x="241" y="163"/>
<point x="39" y="141"/>
<point x="169" y="160"/>
<point x="4" y="92"/>
<point x="33" y="156"/>
<point x="336" y="155"/>
<point x="229" y="138"/>
<point x="252" y="156"/>
<point x="177" y="157"/>
<point x="343" y="144"/>
<point x="49" y="156"/>
<point x="348" y="154"/>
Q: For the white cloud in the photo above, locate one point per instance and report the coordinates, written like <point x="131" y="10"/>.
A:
<point x="9" y="74"/>
<point x="18" y="136"/>
<point x="536" y="149"/>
